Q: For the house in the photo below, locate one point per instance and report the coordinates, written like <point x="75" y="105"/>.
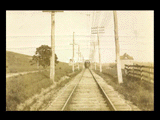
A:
<point x="126" y="59"/>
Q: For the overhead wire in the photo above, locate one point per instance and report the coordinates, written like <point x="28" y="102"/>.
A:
<point x="103" y="20"/>
<point x="95" y="22"/>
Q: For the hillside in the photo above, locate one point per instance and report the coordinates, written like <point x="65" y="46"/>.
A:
<point x="20" y="88"/>
<point x="16" y="62"/>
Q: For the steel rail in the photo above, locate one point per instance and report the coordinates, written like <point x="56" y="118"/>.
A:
<point x="109" y="102"/>
<point x="68" y="99"/>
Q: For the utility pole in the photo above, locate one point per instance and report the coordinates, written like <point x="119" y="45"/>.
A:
<point x="78" y="55"/>
<point x="91" y="57"/>
<point x="52" y="59"/>
<point x="94" y="56"/>
<point x="83" y="61"/>
<point x="97" y="30"/>
<point x="73" y="53"/>
<point x="119" y="72"/>
<point x="100" y="65"/>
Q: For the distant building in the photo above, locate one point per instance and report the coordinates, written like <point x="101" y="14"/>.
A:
<point x="126" y="59"/>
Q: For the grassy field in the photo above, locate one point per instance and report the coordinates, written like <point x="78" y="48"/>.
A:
<point x="22" y="87"/>
<point x="140" y="93"/>
<point x="16" y="62"/>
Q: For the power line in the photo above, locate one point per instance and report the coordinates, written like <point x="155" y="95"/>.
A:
<point x="96" y="19"/>
<point x="104" y="41"/>
<point x="28" y="35"/>
<point x="42" y="35"/>
<point x="83" y="36"/>
<point x="107" y="21"/>
<point x="93" y="18"/>
<point x="56" y="49"/>
<point x="103" y="20"/>
<point x="87" y="48"/>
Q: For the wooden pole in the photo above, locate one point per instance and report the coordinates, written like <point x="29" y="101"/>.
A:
<point x="83" y="62"/>
<point x="119" y="72"/>
<point x="90" y="57"/>
<point x="52" y="59"/>
<point x="73" y="54"/>
<point x="80" y="60"/>
<point x="94" y="56"/>
<point x="99" y="52"/>
<point x="78" y="55"/>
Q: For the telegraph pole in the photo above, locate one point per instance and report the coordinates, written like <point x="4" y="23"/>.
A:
<point x="100" y="65"/>
<point x="80" y="59"/>
<point x="119" y="72"/>
<point x="52" y="59"/>
<point x="91" y="57"/>
<point x="83" y="61"/>
<point x="78" y="55"/>
<point x="94" y="56"/>
<point x="97" y="30"/>
<point x="73" y="54"/>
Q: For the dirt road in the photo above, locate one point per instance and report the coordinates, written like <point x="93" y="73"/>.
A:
<point x="8" y="75"/>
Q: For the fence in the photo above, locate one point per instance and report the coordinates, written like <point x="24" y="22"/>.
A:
<point x="140" y="71"/>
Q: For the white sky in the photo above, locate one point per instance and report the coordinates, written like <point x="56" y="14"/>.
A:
<point x="27" y="30"/>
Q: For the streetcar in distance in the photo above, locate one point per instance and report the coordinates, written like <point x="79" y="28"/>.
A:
<point x="87" y="64"/>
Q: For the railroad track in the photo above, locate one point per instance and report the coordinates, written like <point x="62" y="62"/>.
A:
<point x="85" y="93"/>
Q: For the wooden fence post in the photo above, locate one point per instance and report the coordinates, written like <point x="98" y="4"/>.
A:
<point x="137" y="71"/>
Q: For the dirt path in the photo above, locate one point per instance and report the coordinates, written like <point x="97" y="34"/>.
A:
<point x="8" y="75"/>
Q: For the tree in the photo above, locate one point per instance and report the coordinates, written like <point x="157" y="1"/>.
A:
<point x="42" y="56"/>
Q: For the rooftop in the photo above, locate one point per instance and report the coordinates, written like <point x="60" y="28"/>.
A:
<point x="126" y="57"/>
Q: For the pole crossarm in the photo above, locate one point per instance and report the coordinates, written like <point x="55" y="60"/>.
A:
<point x="73" y="44"/>
<point x="97" y="27"/>
<point x="96" y="30"/>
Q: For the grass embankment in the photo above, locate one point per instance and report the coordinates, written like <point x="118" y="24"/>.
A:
<point x="138" y="92"/>
<point x="16" y="62"/>
<point x="22" y="87"/>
